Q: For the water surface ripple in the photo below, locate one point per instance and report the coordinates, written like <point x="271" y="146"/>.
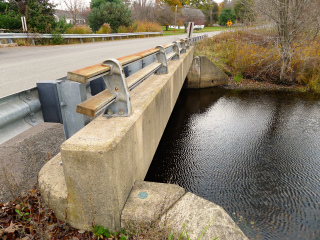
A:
<point x="257" y="154"/>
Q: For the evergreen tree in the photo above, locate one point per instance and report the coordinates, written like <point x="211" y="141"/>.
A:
<point x="226" y="15"/>
<point x="9" y="16"/>
<point x="39" y="15"/>
<point x="115" y="14"/>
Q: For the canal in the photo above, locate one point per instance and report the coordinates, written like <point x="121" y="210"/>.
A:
<point x="255" y="153"/>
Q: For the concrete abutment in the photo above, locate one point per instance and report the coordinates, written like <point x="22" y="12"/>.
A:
<point x="104" y="162"/>
<point x="204" y="74"/>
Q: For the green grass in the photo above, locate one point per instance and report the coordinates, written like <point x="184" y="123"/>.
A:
<point x="181" y="31"/>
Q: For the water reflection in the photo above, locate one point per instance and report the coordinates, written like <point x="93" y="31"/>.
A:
<point x="257" y="154"/>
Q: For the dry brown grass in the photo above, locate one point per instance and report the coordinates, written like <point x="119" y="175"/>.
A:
<point x="255" y="55"/>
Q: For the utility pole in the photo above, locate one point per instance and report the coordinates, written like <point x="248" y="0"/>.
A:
<point x="211" y="6"/>
<point x="175" y="18"/>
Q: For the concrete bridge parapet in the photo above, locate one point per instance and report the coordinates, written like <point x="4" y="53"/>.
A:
<point x="102" y="161"/>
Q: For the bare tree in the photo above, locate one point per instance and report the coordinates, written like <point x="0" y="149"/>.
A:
<point x="165" y="15"/>
<point x="296" y="23"/>
<point x="144" y="10"/>
<point x="74" y="7"/>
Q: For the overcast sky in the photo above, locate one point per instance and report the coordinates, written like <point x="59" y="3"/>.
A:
<point x="87" y="2"/>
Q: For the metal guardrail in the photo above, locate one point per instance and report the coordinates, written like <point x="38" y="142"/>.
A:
<point x="57" y="101"/>
<point x="18" y="113"/>
<point x="34" y="36"/>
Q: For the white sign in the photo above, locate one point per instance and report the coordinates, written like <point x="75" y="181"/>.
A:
<point x="190" y="29"/>
<point x="24" y="24"/>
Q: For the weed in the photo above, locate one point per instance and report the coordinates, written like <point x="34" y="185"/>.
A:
<point x="101" y="232"/>
<point x="238" y="78"/>
<point x="23" y="214"/>
<point x="21" y="42"/>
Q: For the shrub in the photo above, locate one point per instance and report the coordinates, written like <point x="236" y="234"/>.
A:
<point x="115" y="13"/>
<point x="57" y="39"/>
<point x="105" y="29"/>
<point x="226" y="15"/>
<point x="254" y="55"/>
<point x="145" y="26"/>
<point x="123" y="29"/>
<point x="61" y="26"/>
<point x="79" y="29"/>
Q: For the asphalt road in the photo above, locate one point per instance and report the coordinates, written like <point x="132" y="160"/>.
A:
<point x="22" y="67"/>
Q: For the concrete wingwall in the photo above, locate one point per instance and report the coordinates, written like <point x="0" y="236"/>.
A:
<point x="103" y="160"/>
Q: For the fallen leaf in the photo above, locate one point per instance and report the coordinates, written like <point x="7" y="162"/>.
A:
<point x="12" y="228"/>
<point x="25" y="238"/>
<point x="6" y="220"/>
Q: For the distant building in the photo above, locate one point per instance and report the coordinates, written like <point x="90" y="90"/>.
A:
<point x="63" y="14"/>
<point x="193" y="15"/>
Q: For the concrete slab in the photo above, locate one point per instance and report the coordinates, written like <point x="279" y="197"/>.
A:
<point x="22" y="157"/>
<point x="195" y="215"/>
<point x="148" y="201"/>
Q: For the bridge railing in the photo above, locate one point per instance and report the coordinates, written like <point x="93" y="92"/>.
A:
<point x="86" y="92"/>
<point x="34" y="36"/>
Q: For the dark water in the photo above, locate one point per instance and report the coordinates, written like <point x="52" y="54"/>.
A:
<point x="257" y="154"/>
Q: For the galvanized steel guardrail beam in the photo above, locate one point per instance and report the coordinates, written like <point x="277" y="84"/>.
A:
<point x="34" y="36"/>
<point x="57" y="100"/>
<point x="18" y="113"/>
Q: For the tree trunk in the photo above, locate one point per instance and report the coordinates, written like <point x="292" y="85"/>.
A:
<point x="167" y="27"/>
<point x="284" y="39"/>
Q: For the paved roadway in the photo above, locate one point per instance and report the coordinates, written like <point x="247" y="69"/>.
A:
<point x="22" y="67"/>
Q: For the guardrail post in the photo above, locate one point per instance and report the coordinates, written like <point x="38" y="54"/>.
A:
<point x="117" y="85"/>
<point x="175" y="48"/>
<point x="187" y="41"/>
<point x="183" y="46"/>
<point x="162" y="58"/>
<point x="59" y="100"/>
<point x="81" y="40"/>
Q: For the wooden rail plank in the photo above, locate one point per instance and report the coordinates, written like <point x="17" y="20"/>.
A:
<point x="94" y="104"/>
<point x="83" y="75"/>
